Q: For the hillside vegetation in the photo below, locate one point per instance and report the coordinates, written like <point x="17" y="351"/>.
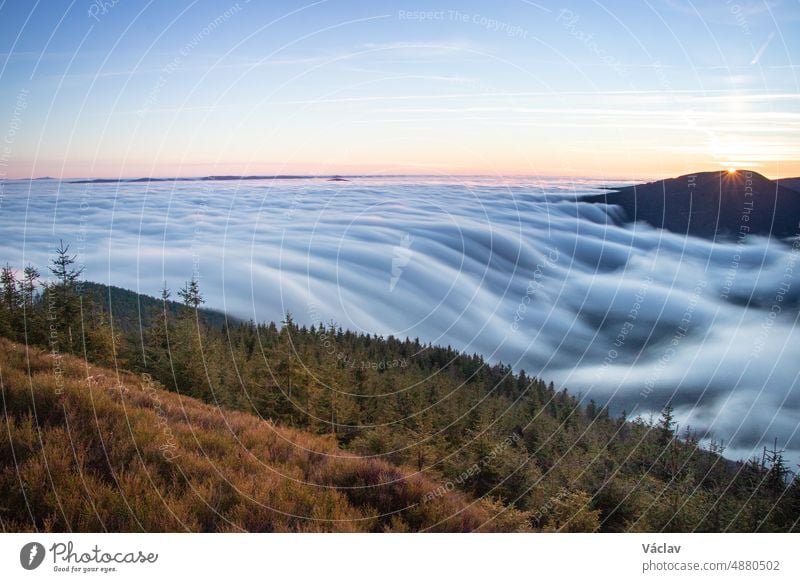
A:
<point x="432" y="428"/>
<point x="86" y="449"/>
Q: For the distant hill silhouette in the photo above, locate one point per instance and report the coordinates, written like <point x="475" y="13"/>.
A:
<point x="335" y="178"/>
<point x="713" y="204"/>
<point x="792" y="183"/>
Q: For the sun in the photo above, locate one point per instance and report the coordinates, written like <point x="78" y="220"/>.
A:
<point x="731" y="170"/>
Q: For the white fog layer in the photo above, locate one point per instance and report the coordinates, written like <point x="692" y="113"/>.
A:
<point x="520" y="273"/>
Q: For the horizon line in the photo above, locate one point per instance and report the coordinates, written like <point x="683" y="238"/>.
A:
<point x="330" y="177"/>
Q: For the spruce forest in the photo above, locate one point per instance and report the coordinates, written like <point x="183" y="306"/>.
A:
<point x="123" y="412"/>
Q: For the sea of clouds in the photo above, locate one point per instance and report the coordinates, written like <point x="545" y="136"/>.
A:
<point x="518" y="271"/>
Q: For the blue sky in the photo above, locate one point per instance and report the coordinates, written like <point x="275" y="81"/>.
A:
<point x="613" y="89"/>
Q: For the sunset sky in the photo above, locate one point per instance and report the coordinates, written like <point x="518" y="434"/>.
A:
<point x="608" y="89"/>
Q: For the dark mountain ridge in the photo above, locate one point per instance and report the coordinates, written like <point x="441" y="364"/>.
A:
<point x="712" y="205"/>
<point x="791" y="183"/>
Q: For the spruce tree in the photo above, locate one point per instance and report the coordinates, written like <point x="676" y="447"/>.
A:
<point x="10" y="297"/>
<point x="666" y="425"/>
<point x="28" y="285"/>
<point x="63" y="300"/>
<point x="190" y="294"/>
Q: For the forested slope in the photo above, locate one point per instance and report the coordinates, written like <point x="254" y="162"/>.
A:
<point x="86" y="449"/>
<point x="549" y="459"/>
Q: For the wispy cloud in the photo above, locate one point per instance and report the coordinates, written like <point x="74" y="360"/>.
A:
<point x="638" y="96"/>
<point x="728" y="116"/>
<point x="424" y="48"/>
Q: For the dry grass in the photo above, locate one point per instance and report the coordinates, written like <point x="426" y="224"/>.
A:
<point x="95" y="450"/>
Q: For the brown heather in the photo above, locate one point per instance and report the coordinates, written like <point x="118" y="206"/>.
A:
<point x="97" y="450"/>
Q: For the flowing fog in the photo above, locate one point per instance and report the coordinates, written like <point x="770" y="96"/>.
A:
<point x="518" y="272"/>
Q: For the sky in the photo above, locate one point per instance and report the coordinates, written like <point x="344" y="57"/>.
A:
<point x="615" y="89"/>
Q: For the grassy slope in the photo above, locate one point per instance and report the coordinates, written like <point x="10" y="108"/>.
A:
<point x="96" y="450"/>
